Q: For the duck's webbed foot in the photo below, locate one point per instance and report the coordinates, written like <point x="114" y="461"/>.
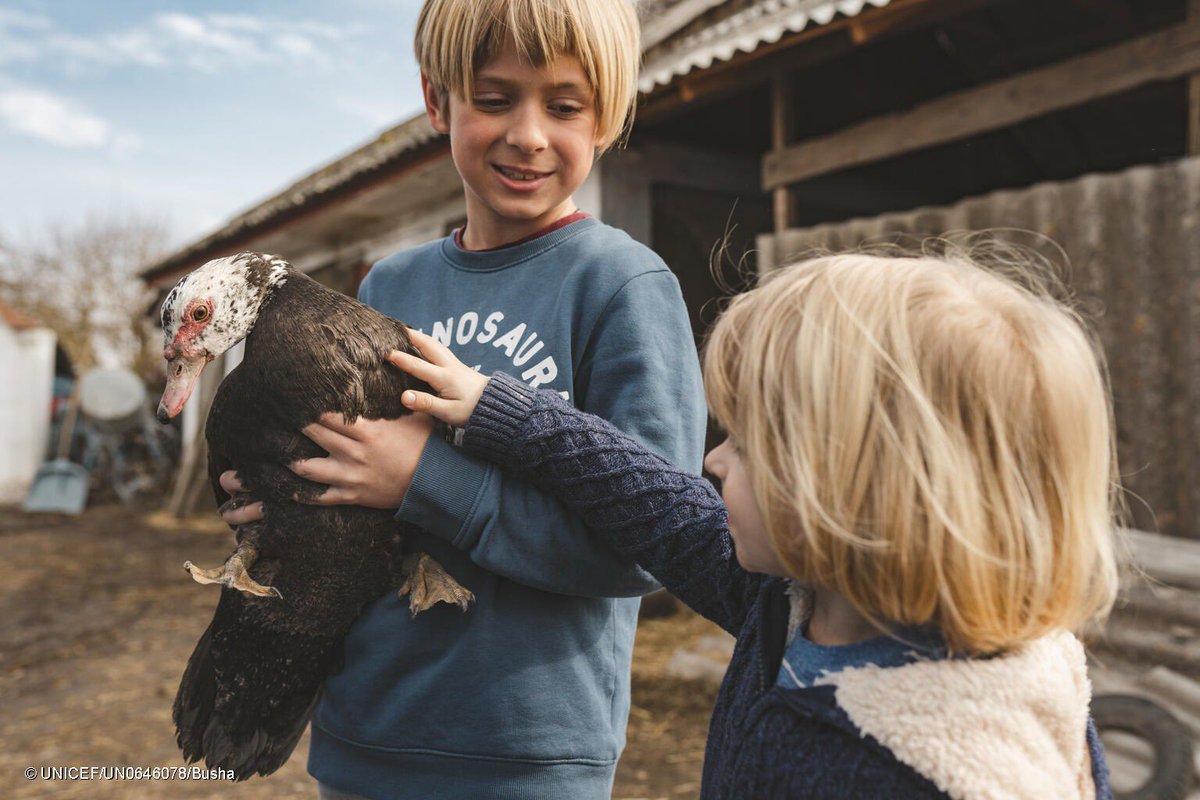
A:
<point x="234" y="574"/>
<point x="426" y="583"/>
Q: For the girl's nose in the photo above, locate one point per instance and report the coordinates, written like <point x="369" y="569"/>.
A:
<point x="713" y="462"/>
<point x="526" y="133"/>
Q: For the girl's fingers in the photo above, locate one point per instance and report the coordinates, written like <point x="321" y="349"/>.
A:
<point x="429" y="404"/>
<point x="433" y="350"/>
<point x="421" y="370"/>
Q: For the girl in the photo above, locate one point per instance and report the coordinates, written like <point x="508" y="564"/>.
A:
<point x="918" y="492"/>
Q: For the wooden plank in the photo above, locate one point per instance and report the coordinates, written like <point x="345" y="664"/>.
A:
<point x="1169" y="559"/>
<point x="1162" y="56"/>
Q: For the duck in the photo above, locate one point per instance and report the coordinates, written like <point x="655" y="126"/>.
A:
<point x="298" y="578"/>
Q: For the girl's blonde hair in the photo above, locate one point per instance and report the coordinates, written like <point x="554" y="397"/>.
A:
<point x="928" y="439"/>
<point x="456" y="38"/>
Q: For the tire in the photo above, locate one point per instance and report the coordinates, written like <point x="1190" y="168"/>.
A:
<point x="1167" y="736"/>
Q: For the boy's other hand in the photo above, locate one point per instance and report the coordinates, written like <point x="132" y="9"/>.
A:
<point x="371" y="462"/>
<point x="241" y="508"/>
<point x="458" y="386"/>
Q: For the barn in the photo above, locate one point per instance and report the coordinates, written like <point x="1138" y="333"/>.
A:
<point x="768" y="128"/>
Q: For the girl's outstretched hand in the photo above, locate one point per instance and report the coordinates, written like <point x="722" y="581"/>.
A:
<point x="458" y="386"/>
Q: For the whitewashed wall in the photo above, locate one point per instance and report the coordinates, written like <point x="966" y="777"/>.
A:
<point x="26" y="388"/>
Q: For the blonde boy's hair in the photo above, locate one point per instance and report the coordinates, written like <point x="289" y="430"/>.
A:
<point x="456" y="38"/>
<point x="928" y="439"/>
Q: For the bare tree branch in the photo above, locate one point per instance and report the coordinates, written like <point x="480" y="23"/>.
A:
<point x="81" y="280"/>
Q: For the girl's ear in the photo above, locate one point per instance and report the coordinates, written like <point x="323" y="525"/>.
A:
<point x="436" y="105"/>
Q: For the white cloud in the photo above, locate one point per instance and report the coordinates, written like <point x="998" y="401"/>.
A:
<point x="14" y="18"/>
<point x="60" y="121"/>
<point x="208" y="43"/>
<point x="238" y="22"/>
<point x="296" y="45"/>
<point x="136" y="47"/>
<point x="52" y="118"/>
<point x="332" y="33"/>
<point x="184" y="26"/>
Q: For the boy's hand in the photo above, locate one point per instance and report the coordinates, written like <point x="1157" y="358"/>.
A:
<point x="241" y="508"/>
<point x="458" y="386"/>
<point x="370" y="463"/>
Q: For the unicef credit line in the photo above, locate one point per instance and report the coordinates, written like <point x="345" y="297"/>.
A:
<point x="127" y="774"/>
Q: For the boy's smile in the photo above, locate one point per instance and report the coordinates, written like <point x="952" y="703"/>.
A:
<point x="523" y="143"/>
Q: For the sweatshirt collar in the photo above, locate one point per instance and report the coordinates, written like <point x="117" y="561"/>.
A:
<point x="492" y="260"/>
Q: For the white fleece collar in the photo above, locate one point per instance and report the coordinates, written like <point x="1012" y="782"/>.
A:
<point x="1005" y="728"/>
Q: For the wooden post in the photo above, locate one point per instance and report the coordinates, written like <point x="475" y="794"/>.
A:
<point x="1193" y="132"/>
<point x="783" y="131"/>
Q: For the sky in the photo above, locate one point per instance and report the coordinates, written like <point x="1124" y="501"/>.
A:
<point x="188" y="112"/>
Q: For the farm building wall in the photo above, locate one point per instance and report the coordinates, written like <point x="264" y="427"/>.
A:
<point x="26" y="388"/>
<point x="1132" y="243"/>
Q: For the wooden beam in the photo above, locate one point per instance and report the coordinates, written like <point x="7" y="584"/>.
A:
<point x="1115" y="10"/>
<point x="1193" y="124"/>
<point x="783" y="133"/>
<point x="868" y="27"/>
<point x="820" y="43"/>
<point x="1161" y="56"/>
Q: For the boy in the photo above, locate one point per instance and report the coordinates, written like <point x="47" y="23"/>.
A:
<point x="526" y="695"/>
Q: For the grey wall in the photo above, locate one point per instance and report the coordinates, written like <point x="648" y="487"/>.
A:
<point x="1133" y="242"/>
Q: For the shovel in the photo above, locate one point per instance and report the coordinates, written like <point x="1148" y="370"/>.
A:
<point x="60" y="486"/>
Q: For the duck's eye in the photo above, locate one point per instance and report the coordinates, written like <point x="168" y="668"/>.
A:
<point x="200" y="313"/>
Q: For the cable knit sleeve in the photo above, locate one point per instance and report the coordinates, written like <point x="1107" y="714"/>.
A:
<point x="670" y="522"/>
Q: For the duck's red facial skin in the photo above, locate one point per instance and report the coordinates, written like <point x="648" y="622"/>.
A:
<point x="196" y="317"/>
<point x="185" y="360"/>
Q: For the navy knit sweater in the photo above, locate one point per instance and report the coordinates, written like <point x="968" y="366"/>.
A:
<point x="765" y="741"/>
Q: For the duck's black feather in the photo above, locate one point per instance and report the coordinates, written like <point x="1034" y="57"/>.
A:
<point x="252" y="683"/>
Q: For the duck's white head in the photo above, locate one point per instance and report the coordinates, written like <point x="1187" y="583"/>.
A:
<point x="209" y="311"/>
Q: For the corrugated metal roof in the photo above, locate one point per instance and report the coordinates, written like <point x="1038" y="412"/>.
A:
<point x="746" y="27"/>
<point x="661" y="19"/>
<point x="389" y="147"/>
<point x="390" y="144"/>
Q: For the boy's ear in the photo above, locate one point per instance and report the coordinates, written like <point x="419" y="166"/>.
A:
<point x="436" y="106"/>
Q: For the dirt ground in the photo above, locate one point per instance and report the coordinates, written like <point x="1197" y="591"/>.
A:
<point x="97" y="620"/>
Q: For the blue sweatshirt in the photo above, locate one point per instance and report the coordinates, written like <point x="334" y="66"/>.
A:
<point x="526" y="695"/>
<point x="862" y="722"/>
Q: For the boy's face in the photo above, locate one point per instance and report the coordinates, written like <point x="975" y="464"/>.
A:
<point x="750" y="541"/>
<point x="523" y="143"/>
